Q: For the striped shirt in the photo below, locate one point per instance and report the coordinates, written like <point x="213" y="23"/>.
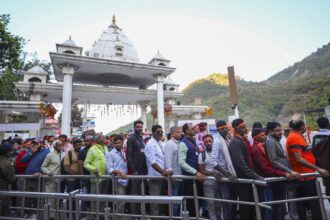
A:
<point x="96" y="160"/>
<point x="220" y="154"/>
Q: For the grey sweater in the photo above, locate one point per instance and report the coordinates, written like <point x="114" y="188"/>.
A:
<point x="275" y="154"/>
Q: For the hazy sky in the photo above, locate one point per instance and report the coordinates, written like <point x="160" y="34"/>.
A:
<point x="259" y="38"/>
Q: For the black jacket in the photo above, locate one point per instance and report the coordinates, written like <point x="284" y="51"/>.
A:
<point x="240" y="158"/>
<point x="136" y="158"/>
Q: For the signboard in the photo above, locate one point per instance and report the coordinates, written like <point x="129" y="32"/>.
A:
<point x="232" y="86"/>
<point x="20" y="127"/>
<point x="212" y="129"/>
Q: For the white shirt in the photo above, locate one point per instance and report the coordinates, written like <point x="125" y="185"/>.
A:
<point x="171" y="156"/>
<point x="116" y="160"/>
<point x="283" y="144"/>
<point x="208" y="166"/>
<point x="154" y="152"/>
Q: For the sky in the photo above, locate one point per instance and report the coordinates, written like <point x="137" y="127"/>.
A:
<point x="259" y="38"/>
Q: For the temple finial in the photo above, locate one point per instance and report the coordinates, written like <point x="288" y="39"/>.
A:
<point x="114" y="19"/>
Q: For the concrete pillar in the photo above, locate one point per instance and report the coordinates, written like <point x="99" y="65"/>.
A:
<point x="67" y="100"/>
<point x="143" y="105"/>
<point x="160" y="99"/>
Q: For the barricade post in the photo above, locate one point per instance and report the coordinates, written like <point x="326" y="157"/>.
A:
<point x="46" y="211"/>
<point x="321" y="201"/>
<point x="195" y="199"/>
<point x="256" y="201"/>
<point x="107" y="214"/>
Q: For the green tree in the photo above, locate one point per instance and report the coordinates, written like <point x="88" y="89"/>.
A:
<point x="11" y="59"/>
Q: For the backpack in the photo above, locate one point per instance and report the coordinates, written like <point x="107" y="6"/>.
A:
<point x="321" y="151"/>
<point x="62" y="164"/>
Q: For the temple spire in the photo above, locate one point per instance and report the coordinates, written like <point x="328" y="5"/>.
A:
<point x="114" y="19"/>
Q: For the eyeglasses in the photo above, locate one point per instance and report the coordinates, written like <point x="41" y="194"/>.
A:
<point x="159" y="132"/>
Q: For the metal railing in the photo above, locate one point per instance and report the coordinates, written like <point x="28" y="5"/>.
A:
<point x="70" y="197"/>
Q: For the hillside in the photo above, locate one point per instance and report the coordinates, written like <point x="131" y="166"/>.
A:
<point x="300" y="87"/>
<point x="303" y="86"/>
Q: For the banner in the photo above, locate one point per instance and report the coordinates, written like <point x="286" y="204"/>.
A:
<point x="20" y="127"/>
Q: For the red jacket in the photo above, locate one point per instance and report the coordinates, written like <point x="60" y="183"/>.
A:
<point x="262" y="165"/>
<point x="20" y="167"/>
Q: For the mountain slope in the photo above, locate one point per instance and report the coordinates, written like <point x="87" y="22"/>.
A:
<point x="300" y="87"/>
<point x="303" y="86"/>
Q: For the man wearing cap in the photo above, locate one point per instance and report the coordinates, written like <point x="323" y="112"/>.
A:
<point x="220" y="160"/>
<point x="136" y="161"/>
<point x="7" y="176"/>
<point x="241" y="155"/>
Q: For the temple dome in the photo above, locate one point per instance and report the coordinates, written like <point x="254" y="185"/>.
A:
<point x="70" y="42"/>
<point x="114" y="45"/>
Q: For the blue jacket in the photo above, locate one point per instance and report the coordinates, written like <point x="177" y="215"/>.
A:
<point x="34" y="161"/>
<point x="192" y="154"/>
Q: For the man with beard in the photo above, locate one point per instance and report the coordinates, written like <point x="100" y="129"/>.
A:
<point x="265" y="169"/>
<point x="136" y="161"/>
<point x="221" y="161"/>
<point x="241" y="155"/>
<point x="277" y="157"/>
<point x="188" y="160"/>
<point x="210" y="186"/>
<point x="71" y="166"/>
<point x="303" y="161"/>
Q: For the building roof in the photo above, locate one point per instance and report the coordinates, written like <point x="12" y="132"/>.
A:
<point x="113" y="44"/>
<point x="70" y="42"/>
<point x="169" y="81"/>
<point x="159" y="56"/>
<point x="37" y="70"/>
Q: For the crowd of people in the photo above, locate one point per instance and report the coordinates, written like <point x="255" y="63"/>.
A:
<point x="232" y="152"/>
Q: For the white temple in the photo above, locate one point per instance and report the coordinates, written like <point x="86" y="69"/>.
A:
<point x="109" y="74"/>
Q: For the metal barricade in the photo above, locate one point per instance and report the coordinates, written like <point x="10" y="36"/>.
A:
<point x="254" y="183"/>
<point x="124" y="198"/>
<point x="40" y="195"/>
